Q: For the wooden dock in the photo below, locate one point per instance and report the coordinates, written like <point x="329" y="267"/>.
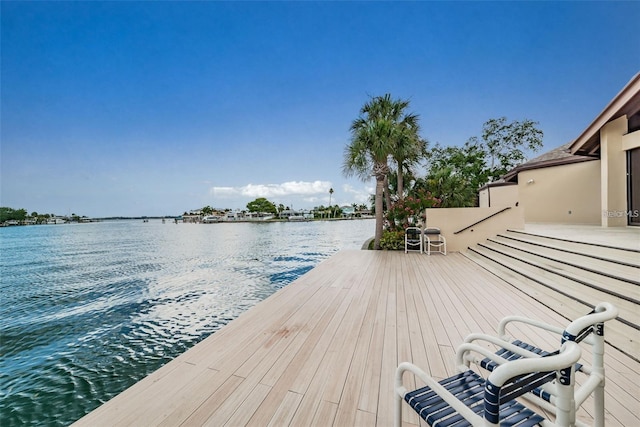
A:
<point x="323" y="350"/>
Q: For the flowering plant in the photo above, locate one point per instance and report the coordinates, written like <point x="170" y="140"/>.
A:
<point x="406" y="212"/>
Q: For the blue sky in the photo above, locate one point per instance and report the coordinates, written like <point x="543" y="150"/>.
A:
<point x="154" y="108"/>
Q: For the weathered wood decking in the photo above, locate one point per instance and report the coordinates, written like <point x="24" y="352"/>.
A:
<point x="323" y="350"/>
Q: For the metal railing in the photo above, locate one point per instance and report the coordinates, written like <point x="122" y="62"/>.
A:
<point x="482" y="220"/>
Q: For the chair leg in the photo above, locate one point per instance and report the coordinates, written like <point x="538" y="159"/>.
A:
<point x="397" y="415"/>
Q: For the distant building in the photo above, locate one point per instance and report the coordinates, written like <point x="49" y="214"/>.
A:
<point x="348" y="211"/>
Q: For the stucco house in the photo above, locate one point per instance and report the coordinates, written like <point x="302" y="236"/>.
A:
<point x="594" y="179"/>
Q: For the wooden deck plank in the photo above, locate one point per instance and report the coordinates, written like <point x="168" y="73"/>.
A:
<point x="324" y="416"/>
<point x="285" y="411"/>
<point x="210" y="406"/>
<point x="192" y="395"/>
<point x="323" y="350"/>
<point x="389" y="351"/>
<point x="371" y="383"/>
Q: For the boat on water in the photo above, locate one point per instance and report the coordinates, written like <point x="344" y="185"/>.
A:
<point x="211" y="219"/>
<point x="55" y="221"/>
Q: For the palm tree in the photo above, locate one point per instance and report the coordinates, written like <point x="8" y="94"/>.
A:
<point x="408" y="147"/>
<point x="330" y="193"/>
<point x="374" y="138"/>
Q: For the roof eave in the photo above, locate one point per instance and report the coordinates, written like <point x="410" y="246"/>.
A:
<point x="513" y="173"/>
<point x="588" y="142"/>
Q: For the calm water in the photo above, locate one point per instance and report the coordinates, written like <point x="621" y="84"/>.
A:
<point x="89" y="309"/>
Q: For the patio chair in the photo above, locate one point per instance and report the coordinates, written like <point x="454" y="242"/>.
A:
<point x="468" y="399"/>
<point x="412" y="239"/>
<point x="548" y="390"/>
<point x="588" y="329"/>
<point x="433" y="238"/>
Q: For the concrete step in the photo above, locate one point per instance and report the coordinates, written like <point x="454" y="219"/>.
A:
<point x="626" y="256"/>
<point x="576" y="266"/>
<point x="585" y="256"/>
<point x="622" y="334"/>
<point x="572" y="285"/>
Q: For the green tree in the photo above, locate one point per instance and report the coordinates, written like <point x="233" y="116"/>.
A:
<point x="451" y="189"/>
<point x="262" y="205"/>
<point x="7" y="214"/>
<point x="375" y="136"/>
<point x="456" y="173"/>
<point x="207" y="210"/>
<point x="507" y="144"/>
<point x="456" y="167"/>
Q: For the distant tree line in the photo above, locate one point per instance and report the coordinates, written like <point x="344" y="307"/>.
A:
<point x="10" y="214"/>
<point x="263" y="205"/>
<point x="21" y="215"/>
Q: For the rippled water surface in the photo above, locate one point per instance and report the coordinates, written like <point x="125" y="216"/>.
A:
<point x="89" y="309"/>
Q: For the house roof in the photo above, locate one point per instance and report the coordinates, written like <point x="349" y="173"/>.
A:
<point x="627" y="102"/>
<point x="556" y="157"/>
<point x="587" y="146"/>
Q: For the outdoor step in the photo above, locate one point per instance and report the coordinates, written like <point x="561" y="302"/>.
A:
<point x="623" y="272"/>
<point x="595" y="249"/>
<point x="572" y="277"/>
<point x="620" y="335"/>
<point x="568" y="286"/>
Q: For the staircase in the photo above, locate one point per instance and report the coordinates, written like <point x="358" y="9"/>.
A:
<point x="570" y="276"/>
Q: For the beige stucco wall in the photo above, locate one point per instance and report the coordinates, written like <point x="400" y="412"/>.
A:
<point x="503" y="195"/>
<point x="613" y="173"/>
<point x="483" y="198"/>
<point x="450" y="220"/>
<point x="565" y="194"/>
<point x="631" y="140"/>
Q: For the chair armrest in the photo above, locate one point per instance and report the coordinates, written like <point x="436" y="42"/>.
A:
<point x="500" y="342"/>
<point x="532" y="322"/>
<point x="602" y="313"/>
<point x="569" y="354"/>
<point x="449" y="398"/>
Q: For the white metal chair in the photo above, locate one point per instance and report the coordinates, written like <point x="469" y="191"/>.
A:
<point x="588" y="329"/>
<point x="467" y="399"/>
<point x="412" y="239"/>
<point x="433" y="238"/>
<point x="546" y="382"/>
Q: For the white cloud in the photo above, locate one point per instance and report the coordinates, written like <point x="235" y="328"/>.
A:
<point x="359" y="195"/>
<point x="223" y="191"/>
<point x="291" y="188"/>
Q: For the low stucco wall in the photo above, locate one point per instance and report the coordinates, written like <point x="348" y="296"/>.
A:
<point x="450" y="220"/>
<point x="503" y="195"/>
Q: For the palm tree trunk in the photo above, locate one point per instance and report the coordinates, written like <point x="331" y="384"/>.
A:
<point x="400" y="182"/>
<point x="379" y="211"/>
<point x="380" y="171"/>
<point x="387" y="192"/>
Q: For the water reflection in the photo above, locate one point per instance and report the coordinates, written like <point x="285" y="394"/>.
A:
<point x="89" y="309"/>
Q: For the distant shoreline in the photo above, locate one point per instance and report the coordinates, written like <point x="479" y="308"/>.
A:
<point x="178" y="219"/>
